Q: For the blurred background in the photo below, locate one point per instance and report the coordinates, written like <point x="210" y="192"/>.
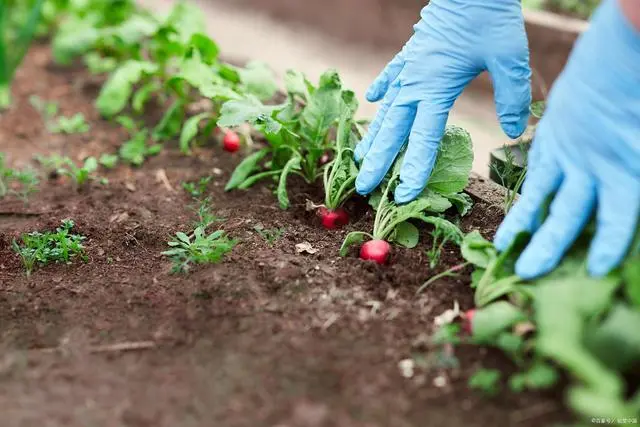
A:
<point x="358" y="37"/>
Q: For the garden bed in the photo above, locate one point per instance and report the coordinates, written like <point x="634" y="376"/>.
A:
<point x="268" y="337"/>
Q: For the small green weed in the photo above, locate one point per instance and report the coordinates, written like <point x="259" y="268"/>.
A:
<point x="66" y="167"/>
<point x="135" y="151"/>
<point x="20" y="183"/>
<point x="38" y="248"/>
<point x="197" y="248"/>
<point x="70" y="125"/>
<point x="487" y="381"/>
<point x="109" y="161"/>
<point x="269" y="235"/>
<point x="197" y="189"/>
<point x="205" y="216"/>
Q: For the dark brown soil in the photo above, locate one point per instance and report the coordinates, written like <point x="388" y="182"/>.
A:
<point x="269" y="337"/>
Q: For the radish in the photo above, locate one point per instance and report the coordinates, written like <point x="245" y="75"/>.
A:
<point x="332" y="219"/>
<point x="231" y="142"/>
<point x="468" y="320"/>
<point x="375" y="250"/>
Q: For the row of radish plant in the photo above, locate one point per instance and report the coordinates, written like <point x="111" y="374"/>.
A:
<point x="563" y="321"/>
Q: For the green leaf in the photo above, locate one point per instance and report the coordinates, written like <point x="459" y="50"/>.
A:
<point x="183" y="237"/>
<point x="323" y="109"/>
<point x="537" y="109"/>
<point x="445" y="228"/>
<point x="171" y="122"/>
<point x="190" y="130"/>
<point x="477" y="250"/>
<point x="90" y="164"/>
<point x="631" y="275"/>
<point x="616" y="341"/>
<point x="245" y="168"/>
<point x="207" y="48"/>
<point x="462" y="201"/>
<point x="258" y="79"/>
<point x="540" y="376"/>
<point x="74" y="38"/>
<point x="143" y="95"/>
<point x="352" y="238"/>
<point x="591" y="402"/>
<point x="486" y="380"/>
<point x="407" y="235"/>
<point x="249" y="110"/>
<point x="116" y="91"/>
<point x="296" y="83"/>
<point x="493" y="319"/>
<point x="453" y="164"/>
<point x="291" y="165"/>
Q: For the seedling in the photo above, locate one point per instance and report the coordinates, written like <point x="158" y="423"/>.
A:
<point x="38" y="248"/>
<point x="443" y="232"/>
<point x="487" y="381"/>
<point x="109" y="161"/>
<point x="339" y="174"/>
<point x="205" y="215"/>
<point x="48" y="109"/>
<point x="197" y="189"/>
<point x="136" y="150"/>
<point x="70" y="125"/>
<point x="510" y="174"/>
<point x="269" y="235"/>
<point x="199" y="248"/>
<point x="20" y="183"/>
<point x="450" y="176"/>
<point x="64" y="166"/>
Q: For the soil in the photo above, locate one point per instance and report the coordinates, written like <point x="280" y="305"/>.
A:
<point x="269" y="337"/>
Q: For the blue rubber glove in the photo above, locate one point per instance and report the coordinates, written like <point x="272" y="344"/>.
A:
<point x="586" y="152"/>
<point x="454" y="42"/>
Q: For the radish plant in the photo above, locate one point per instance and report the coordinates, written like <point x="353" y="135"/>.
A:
<point x="449" y="178"/>
<point x="340" y="174"/>
<point x="298" y="131"/>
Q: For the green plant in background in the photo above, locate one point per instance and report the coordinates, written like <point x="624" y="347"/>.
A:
<point x="15" y="40"/>
<point x="197" y="248"/>
<point x="70" y="125"/>
<point x="42" y="248"/>
<point x="197" y="189"/>
<point x="136" y="150"/>
<point x="64" y="166"/>
<point x="107" y="160"/>
<point x="443" y="232"/>
<point x="20" y="183"/>
<point x="47" y="109"/>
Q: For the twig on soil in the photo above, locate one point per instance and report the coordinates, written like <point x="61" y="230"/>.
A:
<point x="109" y="348"/>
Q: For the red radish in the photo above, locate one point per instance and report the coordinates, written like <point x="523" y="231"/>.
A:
<point x="231" y="142"/>
<point x="333" y="219"/>
<point x="468" y="320"/>
<point x="326" y="158"/>
<point x="375" y="250"/>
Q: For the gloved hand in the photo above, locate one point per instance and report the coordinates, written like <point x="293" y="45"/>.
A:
<point x="454" y="42"/>
<point x="586" y="151"/>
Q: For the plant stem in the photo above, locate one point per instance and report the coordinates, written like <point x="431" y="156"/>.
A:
<point x="447" y="273"/>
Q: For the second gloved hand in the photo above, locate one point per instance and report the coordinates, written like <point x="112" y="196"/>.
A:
<point x="454" y="42"/>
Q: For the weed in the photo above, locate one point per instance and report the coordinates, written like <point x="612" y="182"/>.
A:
<point x="269" y="235"/>
<point x="205" y="216"/>
<point x="70" y="125"/>
<point x="109" y="161"/>
<point x="198" y="248"/>
<point x="20" y="183"/>
<point x="66" y="167"/>
<point x="38" y="248"/>
<point x="511" y="175"/>
<point x="197" y="189"/>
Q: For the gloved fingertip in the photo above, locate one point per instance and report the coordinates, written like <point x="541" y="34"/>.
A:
<point x="406" y="194"/>
<point x="600" y="264"/>
<point x="514" y="126"/>
<point x="374" y="93"/>
<point x="527" y="270"/>
<point x="364" y="184"/>
<point x="502" y="239"/>
<point x="358" y="154"/>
